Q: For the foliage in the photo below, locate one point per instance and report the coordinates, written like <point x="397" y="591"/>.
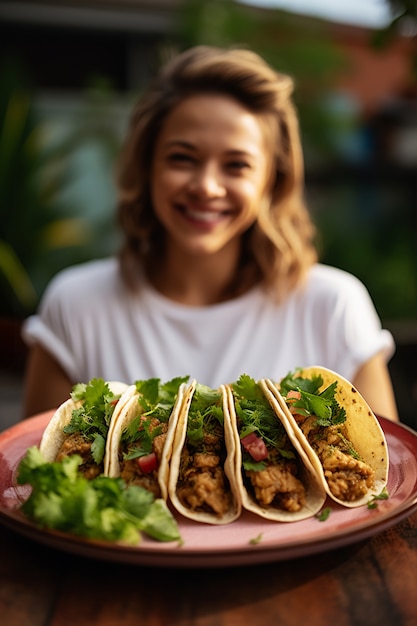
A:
<point x="40" y="232"/>
<point x="367" y="228"/>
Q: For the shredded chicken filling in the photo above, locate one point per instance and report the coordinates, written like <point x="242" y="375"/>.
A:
<point x="130" y="469"/>
<point x="277" y="485"/>
<point x="76" y="443"/>
<point x="348" y="477"/>
<point x="202" y="484"/>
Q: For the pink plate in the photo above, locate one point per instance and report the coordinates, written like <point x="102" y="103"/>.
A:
<point x="248" y="540"/>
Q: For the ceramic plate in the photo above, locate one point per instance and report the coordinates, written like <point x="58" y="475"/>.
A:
<point x="248" y="540"/>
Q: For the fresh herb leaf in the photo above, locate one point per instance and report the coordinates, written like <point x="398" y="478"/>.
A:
<point x="255" y="414"/>
<point x="205" y="414"/>
<point x="101" y="508"/>
<point x="98" y="447"/>
<point x="78" y="391"/>
<point x="156" y="401"/>
<point x="92" y="418"/>
<point x="148" y="392"/>
<point x="98" y="399"/>
<point x="139" y="436"/>
<point x="324" y="514"/>
<point x="249" y="464"/>
<point x="323" y="405"/>
<point x="159" y="523"/>
<point x="384" y="495"/>
<point x="158" y="398"/>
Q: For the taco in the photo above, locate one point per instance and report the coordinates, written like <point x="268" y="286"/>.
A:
<point x="338" y="431"/>
<point x="81" y="424"/>
<point x="141" y="438"/>
<point x="274" y="475"/>
<point x="201" y="485"/>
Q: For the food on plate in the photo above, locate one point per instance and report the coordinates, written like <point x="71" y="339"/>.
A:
<point x="274" y="475"/>
<point x="81" y="424"/>
<point x="102" y="508"/>
<point x="202" y="486"/>
<point x="338" y="431"/>
<point x="140" y="440"/>
<point x="130" y="455"/>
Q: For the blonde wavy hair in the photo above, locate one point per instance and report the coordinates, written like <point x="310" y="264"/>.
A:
<point x="278" y="248"/>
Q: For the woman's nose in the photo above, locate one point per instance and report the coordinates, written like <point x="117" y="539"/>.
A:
<point x="208" y="181"/>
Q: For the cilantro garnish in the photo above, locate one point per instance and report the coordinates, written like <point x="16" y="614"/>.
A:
<point x="101" y="508"/>
<point x="158" y="398"/>
<point x="324" y="514"/>
<point x="255" y="414"/>
<point x="323" y="405"/>
<point x="205" y="414"/>
<point x="384" y="495"/>
<point x="93" y="417"/>
<point x="156" y="401"/>
<point x="142" y="432"/>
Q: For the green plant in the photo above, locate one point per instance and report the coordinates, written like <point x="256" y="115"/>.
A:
<point x="41" y="231"/>
<point x="30" y="175"/>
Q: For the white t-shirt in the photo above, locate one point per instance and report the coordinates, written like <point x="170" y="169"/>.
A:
<point x="95" y="327"/>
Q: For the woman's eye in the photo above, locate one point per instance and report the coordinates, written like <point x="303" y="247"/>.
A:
<point x="237" y="166"/>
<point x="180" y="157"/>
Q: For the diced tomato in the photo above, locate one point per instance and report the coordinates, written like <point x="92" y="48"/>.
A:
<point x="255" y="446"/>
<point x="114" y="402"/>
<point x="296" y="395"/>
<point x="292" y="397"/>
<point x="148" y="463"/>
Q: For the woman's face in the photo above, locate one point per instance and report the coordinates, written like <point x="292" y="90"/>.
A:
<point x="209" y="173"/>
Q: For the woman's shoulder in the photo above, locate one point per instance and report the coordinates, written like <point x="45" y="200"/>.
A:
<point x="328" y="286"/>
<point x="326" y="278"/>
<point x="92" y="272"/>
<point x="85" y="280"/>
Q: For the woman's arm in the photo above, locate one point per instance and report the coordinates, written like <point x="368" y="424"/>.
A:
<point x="46" y="383"/>
<point x="373" y="381"/>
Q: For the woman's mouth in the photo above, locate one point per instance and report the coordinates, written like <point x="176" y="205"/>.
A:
<point x="202" y="215"/>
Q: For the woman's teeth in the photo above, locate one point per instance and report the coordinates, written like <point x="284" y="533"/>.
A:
<point x="203" y="216"/>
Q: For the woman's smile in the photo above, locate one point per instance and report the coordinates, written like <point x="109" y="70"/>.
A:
<point x="202" y="216"/>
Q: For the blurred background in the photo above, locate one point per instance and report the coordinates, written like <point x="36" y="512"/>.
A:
<point x="70" y="71"/>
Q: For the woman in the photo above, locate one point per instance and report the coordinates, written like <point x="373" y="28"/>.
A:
<point x="218" y="274"/>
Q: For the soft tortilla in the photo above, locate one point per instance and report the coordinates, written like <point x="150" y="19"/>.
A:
<point x="54" y="436"/>
<point x="179" y="441"/>
<point x="131" y="410"/>
<point x="315" y="493"/>
<point x="362" y="428"/>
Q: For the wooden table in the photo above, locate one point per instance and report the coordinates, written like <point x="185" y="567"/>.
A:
<point x="371" y="583"/>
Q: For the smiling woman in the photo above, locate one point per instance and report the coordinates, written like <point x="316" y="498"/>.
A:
<point x="217" y="274"/>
